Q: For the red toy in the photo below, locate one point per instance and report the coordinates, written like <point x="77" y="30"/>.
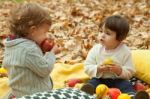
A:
<point x="72" y="82"/>
<point x="139" y="86"/>
<point x="113" y="93"/>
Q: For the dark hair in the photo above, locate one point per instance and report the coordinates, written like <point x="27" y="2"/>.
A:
<point x="117" y="24"/>
<point x="27" y="15"/>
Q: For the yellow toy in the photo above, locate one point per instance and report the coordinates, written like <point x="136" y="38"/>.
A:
<point x="108" y="61"/>
<point x="3" y="72"/>
<point x="124" y="96"/>
<point x="101" y="90"/>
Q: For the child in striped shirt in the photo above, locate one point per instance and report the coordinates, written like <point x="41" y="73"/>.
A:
<point x="28" y="67"/>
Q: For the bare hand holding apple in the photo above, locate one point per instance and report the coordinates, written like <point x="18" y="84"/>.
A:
<point x="56" y="49"/>
<point x="49" y="45"/>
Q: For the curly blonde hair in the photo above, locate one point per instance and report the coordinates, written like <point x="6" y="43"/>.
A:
<point x="25" y="16"/>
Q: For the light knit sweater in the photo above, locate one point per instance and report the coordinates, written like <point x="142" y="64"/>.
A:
<point x="121" y="56"/>
<point x="28" y="68"/>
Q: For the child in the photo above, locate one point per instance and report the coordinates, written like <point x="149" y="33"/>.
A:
<point x="116" y="74"/>
<point x="28" y="67"/>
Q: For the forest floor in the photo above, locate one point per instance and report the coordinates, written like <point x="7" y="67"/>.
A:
<point x="75" y="24"/>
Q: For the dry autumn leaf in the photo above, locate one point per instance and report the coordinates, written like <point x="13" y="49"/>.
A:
<point x="75" y="23"/>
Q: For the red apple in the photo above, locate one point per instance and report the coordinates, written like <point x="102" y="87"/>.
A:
<point x="72" y="82"/>
<point x="3" y="36"/>
<point x="11" y="36"/>
<point x="139" y="86"/>
<point x="114" y="93"/>
<point x="47" y="45"/>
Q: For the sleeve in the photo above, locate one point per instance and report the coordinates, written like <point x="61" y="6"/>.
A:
<point x="90" y="64"/>
<point x="128" y="69"/>
<point x="39" y="64"/>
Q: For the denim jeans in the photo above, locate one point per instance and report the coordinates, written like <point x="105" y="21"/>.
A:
<point x="124" y="85"/>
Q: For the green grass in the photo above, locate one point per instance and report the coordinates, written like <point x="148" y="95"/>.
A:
<point x="0" y="65"/>
<point x="17" y="1"/>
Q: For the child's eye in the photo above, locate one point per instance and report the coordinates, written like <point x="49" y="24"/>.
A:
<point x="107" y="33"/>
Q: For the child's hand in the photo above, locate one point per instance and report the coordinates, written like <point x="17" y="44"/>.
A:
<point x="103" y="68"/>
<point x="110" y="68"/>
<point x="56" y="49"/>
<point x="115" y="69"/>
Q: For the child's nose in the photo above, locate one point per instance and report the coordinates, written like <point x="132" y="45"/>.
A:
<point x="102" y="35"/>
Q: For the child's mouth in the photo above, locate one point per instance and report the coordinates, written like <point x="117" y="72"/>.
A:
<point x="101" y="40"/>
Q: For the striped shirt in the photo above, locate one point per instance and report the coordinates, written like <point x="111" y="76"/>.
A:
<point x="28" y="68"/>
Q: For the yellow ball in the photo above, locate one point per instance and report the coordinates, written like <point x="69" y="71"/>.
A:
<point x="3" y="71"/>
<point x="101" y="89"/>
<point x="124" y="96"/>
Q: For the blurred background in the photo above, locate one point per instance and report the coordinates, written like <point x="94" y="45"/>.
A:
<point x="75" y="23"/>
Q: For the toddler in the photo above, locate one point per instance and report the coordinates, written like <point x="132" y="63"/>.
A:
<point x="27" y="65"/>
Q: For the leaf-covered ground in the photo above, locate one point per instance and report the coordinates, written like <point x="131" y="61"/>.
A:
<point x="75" y="23"/>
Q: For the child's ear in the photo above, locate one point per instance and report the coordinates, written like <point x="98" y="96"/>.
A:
<point x="32" y="29"/>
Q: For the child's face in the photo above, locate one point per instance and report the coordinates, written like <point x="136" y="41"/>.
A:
<point x="39" y="33"/>
<point x="108" y="38"/>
